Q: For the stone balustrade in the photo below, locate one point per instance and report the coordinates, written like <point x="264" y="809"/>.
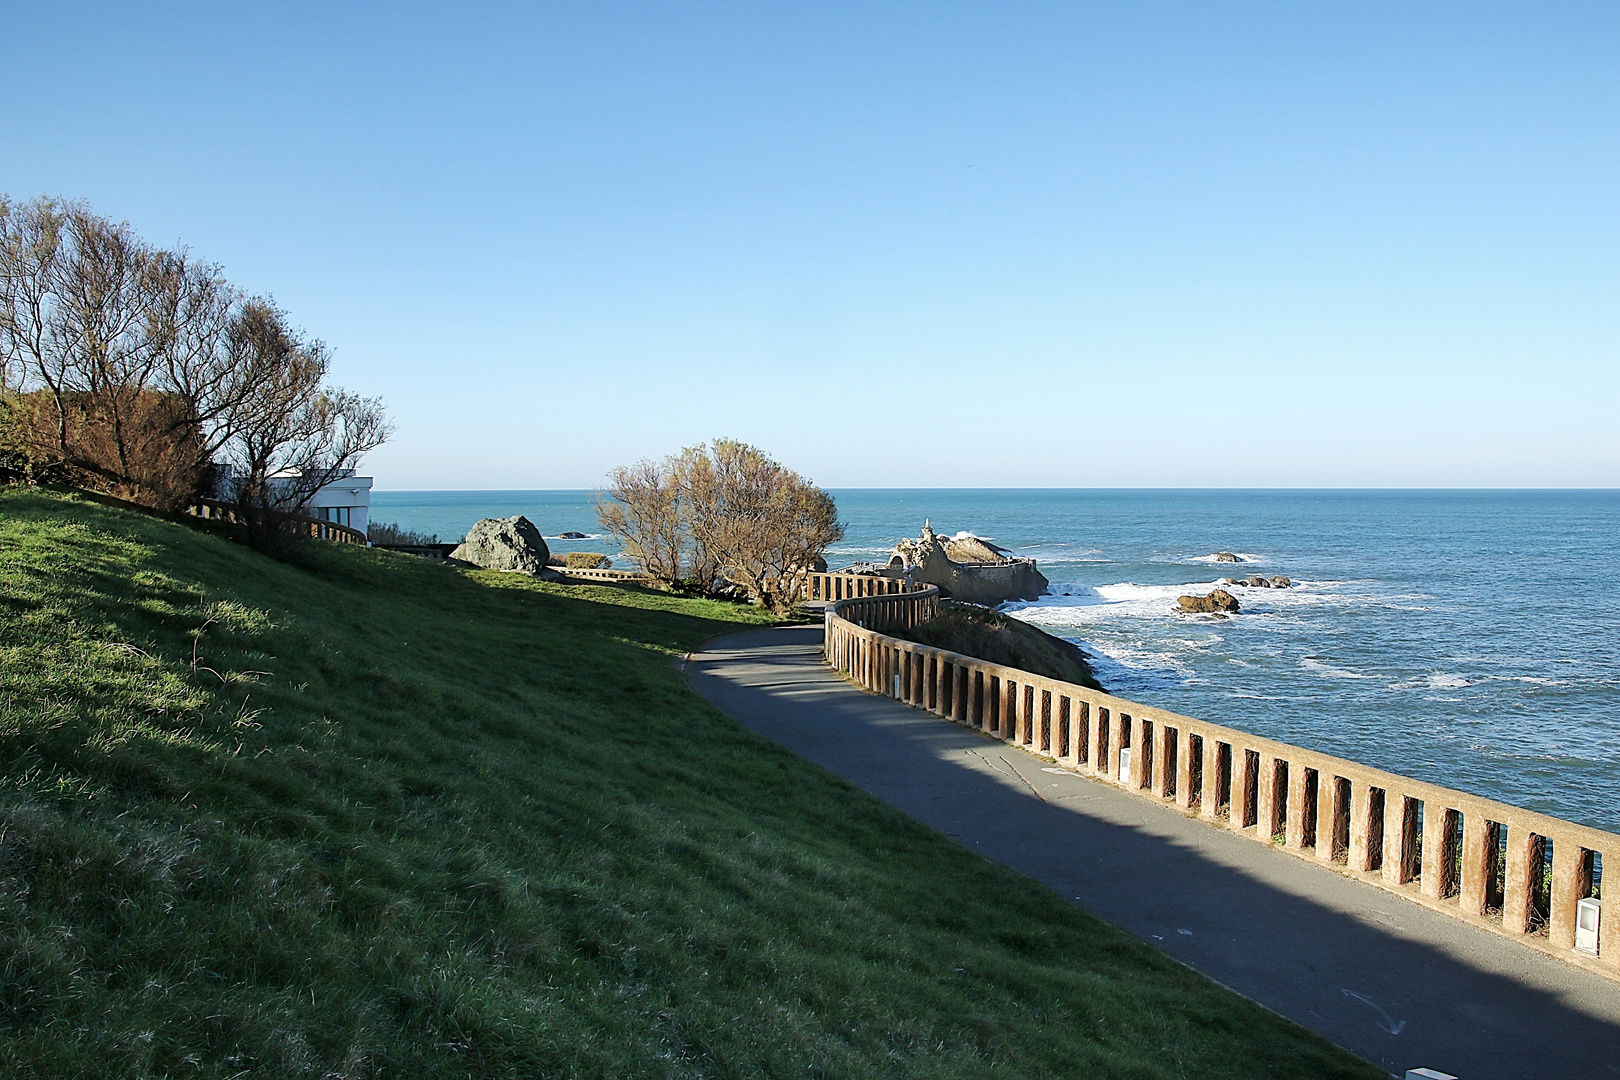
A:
<point x="617" y="577"/>
<point x="846" y="586"/>
<point x="1509" y="870"/>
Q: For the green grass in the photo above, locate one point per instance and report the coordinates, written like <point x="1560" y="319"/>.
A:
<point x="403" y="820"/>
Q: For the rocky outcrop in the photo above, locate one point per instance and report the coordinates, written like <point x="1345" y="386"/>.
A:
<point x="504" y="544"/>
<point x="1217" y="602"/>
<point x="1226" y="556"/>
<point x="1278" y="582"/>
<point x="967" y="568"/>
<point x="971" y="549"/>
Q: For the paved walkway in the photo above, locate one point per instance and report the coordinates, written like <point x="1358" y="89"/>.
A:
<point x="1391" y="981"/>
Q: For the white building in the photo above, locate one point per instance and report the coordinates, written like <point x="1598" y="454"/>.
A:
<point x="346" y="501"/>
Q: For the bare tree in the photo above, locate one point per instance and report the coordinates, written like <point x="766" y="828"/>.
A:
<point x="641" y="510"/>
<point x="136" y="369"/>
<point x="76" y="293"/>
<point x="289" y="436"/>
<point x="763" y="524"/>
<point x="722" y="512"/>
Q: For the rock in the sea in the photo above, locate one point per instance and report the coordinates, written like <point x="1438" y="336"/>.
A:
<point x="1226" y="556"/>
<point x="504" y="544"/>
<point x="1280" y="582"/>
<point x="571" y="536"/>
<point x="1258" y="583"/>
<point x="967" y="568"/>
<point x="1217" y="601"/>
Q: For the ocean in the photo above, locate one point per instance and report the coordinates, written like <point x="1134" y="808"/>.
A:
<point x="1467" y="638"/>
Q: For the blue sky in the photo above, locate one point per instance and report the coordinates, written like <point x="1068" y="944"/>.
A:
<point x="893" y="244"/>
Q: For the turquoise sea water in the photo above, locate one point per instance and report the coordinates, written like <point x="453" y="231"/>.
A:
<point x="1468" y="638"/>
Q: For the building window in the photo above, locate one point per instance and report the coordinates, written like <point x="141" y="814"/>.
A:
<point x="337" y="514"/>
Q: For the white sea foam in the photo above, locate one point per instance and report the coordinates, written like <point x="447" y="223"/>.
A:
<point x="1321" y="667"/>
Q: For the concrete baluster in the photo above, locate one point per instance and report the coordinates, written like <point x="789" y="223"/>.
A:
<point x="1141" y="754"/>
<point x="1478" y="857"/>
<point x="1363" y="827"/>
<point x="1567" y="863"/>
<point x="1299" y="795"/>
<point x="1436" y="851"/>
<point x="1121" y="741"/>
<point x="1400" y="837"/>
<point x="1209" y="803"/>
<point x="1333" y="809"/>
<point x="1167" y="761"/>
<point x="1522" y="870"/>
<point x="1609" y="948"/>
<point x="1265" y="798"/>
<point x="1062" y="734"/>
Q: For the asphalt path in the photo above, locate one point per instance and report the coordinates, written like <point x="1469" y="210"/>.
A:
<point x="1398" y="984"/>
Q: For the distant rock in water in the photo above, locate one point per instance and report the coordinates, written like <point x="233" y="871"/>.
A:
<point x="504" y="544"/>
<point x="1258" y="583"/>
<point x="571" y="536"/>
<point x="1280" y="582"/>
<point x="1218" y="602"/>
<point x="1226" y="556"/>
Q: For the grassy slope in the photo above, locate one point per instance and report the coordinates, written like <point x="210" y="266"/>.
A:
<point x="1001" y="639"/>
<point x="467" y="824"/>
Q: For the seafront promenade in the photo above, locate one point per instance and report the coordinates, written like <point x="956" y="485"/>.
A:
<point x="1396" y="982"/>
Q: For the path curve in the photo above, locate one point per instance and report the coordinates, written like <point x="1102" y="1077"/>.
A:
<point x="1385" y="978"/>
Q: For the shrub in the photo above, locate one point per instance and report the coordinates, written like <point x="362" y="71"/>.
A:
<point x="721" y="514"/>
<point x="587" y="560"/>
<point x="387" y="533"/>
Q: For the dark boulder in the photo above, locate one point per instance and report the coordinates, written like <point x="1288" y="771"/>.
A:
<point x="1280" y="582"/>
<point x="1226" y="556"/>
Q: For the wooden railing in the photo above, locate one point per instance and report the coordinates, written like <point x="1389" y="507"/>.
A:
<point x="1510" y="870"/>
<point x="836" y="586"/>
<point x="214" y="510"/>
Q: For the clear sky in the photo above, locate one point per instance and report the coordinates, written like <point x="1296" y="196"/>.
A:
<point x="986" y="244"/>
